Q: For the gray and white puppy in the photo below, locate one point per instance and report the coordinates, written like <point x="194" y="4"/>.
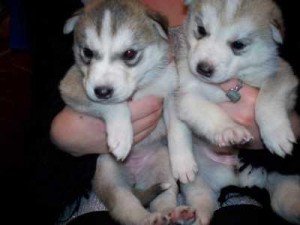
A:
<point x="121" y="51"/>
<point x="235" y="39"/>
<point x="225" y="39"/>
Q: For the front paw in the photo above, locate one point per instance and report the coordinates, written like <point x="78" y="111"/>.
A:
<point x="279" y="139"/>
<point x="232" y="135"/>
<point x="119" y="139"/>
<point x="184" y="168"/>
<point x="251" y="176"/>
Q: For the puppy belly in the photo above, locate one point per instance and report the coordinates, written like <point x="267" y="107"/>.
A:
<point x="216" y="174"/>
<point x="137" y="161"/>
<point x="149" y="165"/>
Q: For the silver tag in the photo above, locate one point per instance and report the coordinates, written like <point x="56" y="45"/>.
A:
<point x="233" y="95"/>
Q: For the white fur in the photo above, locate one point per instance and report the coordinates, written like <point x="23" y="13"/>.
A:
<point x="231" y="8"/>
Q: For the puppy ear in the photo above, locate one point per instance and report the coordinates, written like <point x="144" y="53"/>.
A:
<point x="160" y="23"/>
<point x="86" y="1"/>
<point x="276" y="34"/>
<point x="71" y="22"/>
<point x="188" y="2"/>
<point x="277" y="25"/>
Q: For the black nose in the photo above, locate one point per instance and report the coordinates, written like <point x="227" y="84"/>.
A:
<point x="205" y="69"/>
<point x="103" y="92"/>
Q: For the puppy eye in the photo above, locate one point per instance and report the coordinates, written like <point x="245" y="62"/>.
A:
<point x="87" y="53"/>
<point x="129" y="55"/>
<point x="201" y="32"/>
<point x="239" y="46"/>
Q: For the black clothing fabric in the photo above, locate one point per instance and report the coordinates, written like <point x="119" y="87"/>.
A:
<point x="290" y="165"/>
<point x="55" y="179"/>
<point x="230" y="215"/>
<point x="94" y="218"/>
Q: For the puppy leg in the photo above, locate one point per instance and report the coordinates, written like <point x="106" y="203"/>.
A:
<point x="274" y="102"/>
<point x="180" y="146"/>
<point x="159" y="171"/>
<point x="164" y="206"/>
<point x="119" y="130"/>
<point x="285" y="196"/>
<point x="112" y="188"/>
<point x="201" y="197"/>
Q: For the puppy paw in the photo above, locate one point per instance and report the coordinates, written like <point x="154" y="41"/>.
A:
<point x="156" y="219"/>
<point x="119" y="139"/>
<point x="279" y="139"/>
<point x="182" y="215"/>
<point x="232" y="135"/>
<point x="184" y="168"/>
<point x="250" y="177"/>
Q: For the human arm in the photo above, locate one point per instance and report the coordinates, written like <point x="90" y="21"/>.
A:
<point x="80" y="134"/>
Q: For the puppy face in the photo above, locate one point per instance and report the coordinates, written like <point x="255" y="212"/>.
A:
<point x="231" y="38"/>
<point x="117" y="45"/>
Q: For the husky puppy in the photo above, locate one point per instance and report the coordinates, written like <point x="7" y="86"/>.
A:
<point x="225" y="39"/>
<point x="122" y="53"/>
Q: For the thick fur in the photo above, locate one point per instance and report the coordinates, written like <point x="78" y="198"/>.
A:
<point x="227" y="39"/>
<point x="122" y="53"/>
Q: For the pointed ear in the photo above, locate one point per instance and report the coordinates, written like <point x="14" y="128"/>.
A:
<point x="188" y="2"/>
<point x="71" y="22"/>
<point x="277" y="25"/>
<point x="160" y="23"/>
<point x="86" y="1"/>
<point x="276" y="34"/>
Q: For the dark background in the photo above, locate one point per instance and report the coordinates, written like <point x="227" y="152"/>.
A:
<point x="37" y="180"/>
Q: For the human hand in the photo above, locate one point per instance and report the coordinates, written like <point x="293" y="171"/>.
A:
<point x="242" y="112"/>
<point x="79" y="134"/>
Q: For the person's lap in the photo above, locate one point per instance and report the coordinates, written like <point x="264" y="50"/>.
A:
<point x="238" y="206"/>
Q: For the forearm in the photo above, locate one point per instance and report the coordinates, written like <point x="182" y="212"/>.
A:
<point x="78" y="134"/>
<point x="243" y="113"/>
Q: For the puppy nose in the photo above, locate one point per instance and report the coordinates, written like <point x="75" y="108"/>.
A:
<point x="205" y="69"/>
<point x="103" y="92"/>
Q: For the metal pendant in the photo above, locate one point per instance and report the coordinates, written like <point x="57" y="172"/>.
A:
<point x="233" y="93"/>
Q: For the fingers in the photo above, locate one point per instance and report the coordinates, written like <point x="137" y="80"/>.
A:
<point x="145" y="114"/>
<point x="228" y="84"/>
<point x="242" y="111"/>
<point x="248" y="93"/>
<point x="144" y="107"/>
<point x="143" y="127"/>
<point x="146" y="122"/>
<point x="295" y="122"/>
<point x="143" y="134"/>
